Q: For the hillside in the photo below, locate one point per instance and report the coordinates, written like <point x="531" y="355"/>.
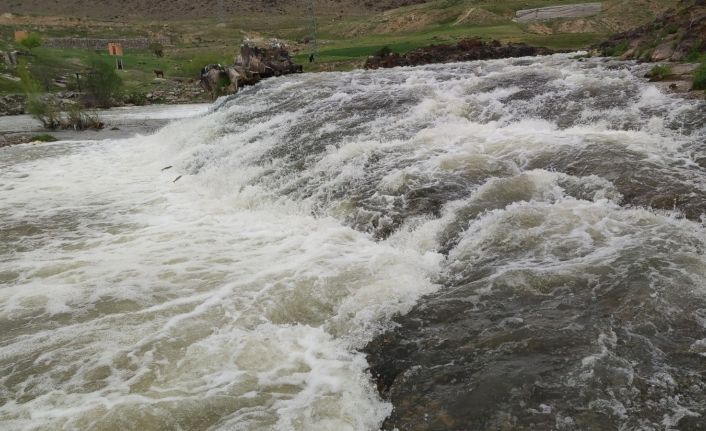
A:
<point x="210" y="31"/>
<point x="678" y="35"/>
<point x="188" y="9"/>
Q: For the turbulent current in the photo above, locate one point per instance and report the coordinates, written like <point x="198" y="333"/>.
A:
<point x="511" y="244"/>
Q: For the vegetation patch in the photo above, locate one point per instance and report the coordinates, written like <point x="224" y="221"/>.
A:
<point x="659" y="72"/>
<point x="45" y="137"/>
<point x="699" y="82"/>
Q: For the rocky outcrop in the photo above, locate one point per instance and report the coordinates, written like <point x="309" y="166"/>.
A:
<point x="679" y="35"/>
<point x="465" y="50"/>
<point x="12" y="105"/>
<point x="251" y="65"/>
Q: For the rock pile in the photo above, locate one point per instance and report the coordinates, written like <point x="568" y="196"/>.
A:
<point x="465" y="50"/>
<point x="12" y="105"/>
<point x="251" y="65"/>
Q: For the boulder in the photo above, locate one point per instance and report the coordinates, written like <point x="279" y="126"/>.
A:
<point x="663" y="52"/>
<point x="252" y="64"/>
<point x="465" y="50"/>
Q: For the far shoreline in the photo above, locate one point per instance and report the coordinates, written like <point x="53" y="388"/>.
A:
<point x="120" y="123"/>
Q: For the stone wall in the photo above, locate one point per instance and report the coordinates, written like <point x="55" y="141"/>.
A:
<point x="564" y="11"/>
<point x="93" y="43"/>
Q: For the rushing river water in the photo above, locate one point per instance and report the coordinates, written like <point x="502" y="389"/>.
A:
<point x="537" y="220"/>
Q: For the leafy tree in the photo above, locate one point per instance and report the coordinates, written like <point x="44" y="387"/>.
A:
<point x="102" y="82"/>
<point x="43" y="108"/>
<point x="33" y="40"/>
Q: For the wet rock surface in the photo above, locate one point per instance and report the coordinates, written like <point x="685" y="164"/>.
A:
<point x="465" y="50"/>
<point x="554" y="310"/>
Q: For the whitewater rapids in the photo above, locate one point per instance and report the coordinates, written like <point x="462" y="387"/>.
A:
<point x="313" y="209"/>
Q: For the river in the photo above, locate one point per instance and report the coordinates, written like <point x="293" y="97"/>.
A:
<point x="510" y="244"/>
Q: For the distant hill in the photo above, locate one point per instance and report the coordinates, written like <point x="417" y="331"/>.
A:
<point x="188" y="9"/>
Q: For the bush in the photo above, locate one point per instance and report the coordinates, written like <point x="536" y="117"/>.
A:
<point x="157" y="49"/>
<point x="695" y="55"/>
<point x="384" y="51"/>
<point x="102" y="83"/>
<point x="33" y="40"/>
<point x="699" y="82"/>
<point x="78" y="119"/>
<point x="136" y="98"/>
<point x="660" y="72"/>
<point x="618" y="49"/>
<point x="29" y="84"/>
<point x="45" y="109"/>
<point x="193" y="66"/>
<point x="44" y="138"/>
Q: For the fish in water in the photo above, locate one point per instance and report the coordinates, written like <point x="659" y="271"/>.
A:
<point x="176" y="179"/>
<point x="168" y="167"/>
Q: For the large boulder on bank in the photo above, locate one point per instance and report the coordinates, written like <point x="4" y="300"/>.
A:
<point x="252" y="64"/>
<point x="465" y="50"/>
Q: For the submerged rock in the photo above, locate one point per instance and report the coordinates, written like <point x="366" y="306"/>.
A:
<point x="465" y="50"/>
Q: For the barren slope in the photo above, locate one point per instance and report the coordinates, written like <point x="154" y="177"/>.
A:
<point x="186" y="9"/>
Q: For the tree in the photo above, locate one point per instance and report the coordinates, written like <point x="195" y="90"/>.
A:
<point x="102" y="82"/>
<point x="157" y="49"/>
<point x="33" y="40"/>
<point x="43" y="108"/>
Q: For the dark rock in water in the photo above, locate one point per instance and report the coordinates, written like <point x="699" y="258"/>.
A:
<point x="252" y="64"/>
<point x="531" y="349"/>
<point x="465" y="50"/>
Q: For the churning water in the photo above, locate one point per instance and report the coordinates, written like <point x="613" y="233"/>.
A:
<point x="313" y="209"/>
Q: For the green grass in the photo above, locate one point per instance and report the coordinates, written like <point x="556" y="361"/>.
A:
<point x="699" y="82"/>
<point x="44" y="138"/>
<point x="660" y="71"/>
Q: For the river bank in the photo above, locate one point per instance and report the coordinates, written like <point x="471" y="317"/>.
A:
<point x="120" y="123"/>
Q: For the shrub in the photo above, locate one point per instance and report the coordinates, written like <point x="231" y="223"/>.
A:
<point x="618" y="49"/>
<point x="699" y="82"/>
<point x="44" y="138"/>
<point x="660" y="72"/>
<point x="194" y="65"/>
<point x="102" y="83"/>
<point x="157" y="49"/>
<point x="384" y="51"/>
<point x="45" y="109"/>
<point x="33" y="40"/>
<point x="136" y="98"/>
<point x="29" y="84"/>
<point x="78" y="119"/>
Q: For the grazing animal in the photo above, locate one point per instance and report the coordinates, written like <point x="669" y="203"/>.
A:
<point x="159" y="73"/>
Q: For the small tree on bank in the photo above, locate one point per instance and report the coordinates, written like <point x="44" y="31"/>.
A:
<point x="33" y="40"/>
<point x="102" y="83"/>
